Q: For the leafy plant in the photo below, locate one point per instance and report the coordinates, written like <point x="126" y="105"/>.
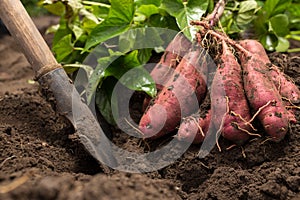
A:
<point x="85" y="25"/>
<point x="112" y="31"/>
<point x="238" y="15"/>
<point x="272" y="21"/>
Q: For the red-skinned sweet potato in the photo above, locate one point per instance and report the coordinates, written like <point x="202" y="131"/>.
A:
<point x="285" y="86"/>
<point x="263" y="96"/>
<point x="230" y="110"/>
<point x="163" y="70"/>
<point x="187" y="85"/>
<point x="261" y="92"/>
<point x="194" y="128"/>
<point x="174" y="52"/>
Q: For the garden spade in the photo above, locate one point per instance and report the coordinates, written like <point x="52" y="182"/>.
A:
<point x="56" y="85"/>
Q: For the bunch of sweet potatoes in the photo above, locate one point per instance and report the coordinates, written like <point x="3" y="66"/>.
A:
<point x="246" y="87"/>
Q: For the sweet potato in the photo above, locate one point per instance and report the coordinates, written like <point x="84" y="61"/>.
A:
<point x="230" y="110"/>
<point x="179" y="98"/>
<point x="263" y="95"/>
<point x="261" y="92"/>
<point x="285" y="86"/>
<point x="174" y="52"/>
<point x="163" y="70"/>
<point x="194" y="128"/>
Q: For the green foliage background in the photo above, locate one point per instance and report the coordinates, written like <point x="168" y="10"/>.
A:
<point x="32" y="7"/>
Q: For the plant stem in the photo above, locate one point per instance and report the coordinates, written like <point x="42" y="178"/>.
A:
<point x="215" y="16"/>
<point x="294" y="50"/>
<point x="93" y="3"/>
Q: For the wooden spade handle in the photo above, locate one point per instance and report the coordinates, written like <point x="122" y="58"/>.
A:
<point x="21" y="27"/>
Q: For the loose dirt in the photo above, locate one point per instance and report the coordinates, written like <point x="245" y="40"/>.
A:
<point x="39" y="159"/>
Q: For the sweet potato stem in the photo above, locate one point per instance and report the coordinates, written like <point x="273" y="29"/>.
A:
<point x="215" y="16"/>
<point x="230" y="41"/>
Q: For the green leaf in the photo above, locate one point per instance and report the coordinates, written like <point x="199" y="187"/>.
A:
<point x="184" y="12"/>
<point x="62" y="31"/>
<point x="88" y="25"/>
<point x="260" y="26"/>
<point x="158" y="20"/>
<point x="121" y="10"/>
<point x="274" y="7"/>
<point x="103" y="100"/>
<point x="244" y="18"/>
<point x="52" y="29"/>
<point x="130" y="72"/>
<point x="246" y="6"/>
<point x="70" y="68"/>
<point x="294" y="10"/>
<point x="131" y="60"/>
<point x="269" y="42"/>
<point x="282" y="6"/>
<point x="78" y="31"/>
<point x="90" y="20"/>
<point x="144" y="55"/>
<point x="88" y="15"/>
<point x="100" y="11"/>
<point x="234" y="28"/>
<point x="123" y="64"/>
<point x="100" y="72"/>
<point x="211" y="6"/>
<point x="119" y="19"/>
<point x="104" y="32"/>
<point x="55" y="8"/>
<point x="74" y="57"/>
<point x="141" y="38"/>
<point x="283" y="45"/>
<point x="148" y="10"/>
<point x="270" y="5"/>
<point x="139" y="79"/>
<point x="279" y="24"/>
<point x="147" y="2"/>
<point x="173" y="7"/>
<point x="75" y="5"/>
<point x="63" y="48"/>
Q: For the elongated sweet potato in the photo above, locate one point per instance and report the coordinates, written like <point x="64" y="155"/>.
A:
<point x="179" y="98"/>
<point x="163" y="70"/>
<point x="285" y="86"/>
<point x="263" y="96"/>
<point x="230" y="110"/>
<point x="194" y="128"/>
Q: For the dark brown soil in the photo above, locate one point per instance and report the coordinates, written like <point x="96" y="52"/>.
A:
<point x="40" y="160"/>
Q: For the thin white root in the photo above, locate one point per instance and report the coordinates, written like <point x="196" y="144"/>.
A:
<point x="246" y="123"/>
<point x="292" y="104"/>
<point x="222" y="124"/>
<point x="246" y="131"/>
<point x="268" y="139"/>
<point x="231" y="147"/>
<point x="229" y="41"/>
<point x="259" y="110"/>
<point x="199" y="127"/>
<point x="243" y="152"/>
<point x="6" y="159"/>
<point x="132" y="126"/>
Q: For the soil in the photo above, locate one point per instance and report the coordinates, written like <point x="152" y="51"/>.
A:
<point x="40" y="160"/>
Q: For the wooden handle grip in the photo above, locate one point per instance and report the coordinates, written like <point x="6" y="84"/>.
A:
<point x="21" y="27"/>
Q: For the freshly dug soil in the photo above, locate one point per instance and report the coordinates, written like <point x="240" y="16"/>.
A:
<point x="39" y="158"/>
